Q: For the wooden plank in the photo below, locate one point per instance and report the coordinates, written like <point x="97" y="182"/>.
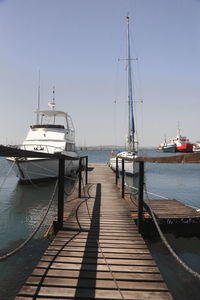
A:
<point x="99" y="275"/>
<point x="109" y="283"/>
<point x="88" y="293"/>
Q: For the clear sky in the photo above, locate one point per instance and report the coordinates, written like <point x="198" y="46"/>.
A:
<point x="76" y="45"/>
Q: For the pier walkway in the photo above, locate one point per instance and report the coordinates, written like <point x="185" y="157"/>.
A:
<point x="99" y="254"/>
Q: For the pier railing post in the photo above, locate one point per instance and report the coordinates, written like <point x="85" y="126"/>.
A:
<point x="116" y="171"/>
<point x="86" y="170"/>
<point x="122" y="178"/>
<point x="140" y="196"/>
<point x="79" y="177"/>
<point x="61" y="178"/>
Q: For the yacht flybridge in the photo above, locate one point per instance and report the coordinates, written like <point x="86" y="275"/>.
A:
<point x="130" y="167"/>
<point x="53" y="132"/>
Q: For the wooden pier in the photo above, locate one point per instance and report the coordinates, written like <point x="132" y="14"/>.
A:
<point x="99" y="253"/>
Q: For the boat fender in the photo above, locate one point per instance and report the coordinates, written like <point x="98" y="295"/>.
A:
<point x="111" y="154"/>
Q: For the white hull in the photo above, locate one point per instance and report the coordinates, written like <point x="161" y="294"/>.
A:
<point x="41" y="169"/>
<point x="129" y="167"/>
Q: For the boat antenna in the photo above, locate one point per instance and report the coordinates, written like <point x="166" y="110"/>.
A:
<point x="53" y="106"/>
<point x="38" y="106"/>
<point x="178" y="128"/>
<point x="131" y="127"/>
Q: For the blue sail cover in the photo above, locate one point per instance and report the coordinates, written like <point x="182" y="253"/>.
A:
<point x="132" y="126"/>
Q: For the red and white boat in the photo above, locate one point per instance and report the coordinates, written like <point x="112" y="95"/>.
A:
<point x="182" y="143"/>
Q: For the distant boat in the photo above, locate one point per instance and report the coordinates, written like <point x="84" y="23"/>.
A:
<point x="47" y="136"/>
<point x="182" y="142"/>
<point x="167" y="147"/>
<point x="130" y="167"/>
<point x="178" y="144"/>
<point x="196" y="147"/>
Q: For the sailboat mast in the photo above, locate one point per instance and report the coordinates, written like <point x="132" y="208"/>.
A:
<point x="131" y="127"/>
<point x="129" y="115"/>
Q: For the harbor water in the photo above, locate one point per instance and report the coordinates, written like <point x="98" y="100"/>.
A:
<point x="22" y="206"/>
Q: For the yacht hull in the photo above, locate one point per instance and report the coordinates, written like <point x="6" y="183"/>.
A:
<point x="130" y="168"/>
<point x="41" y="169"/>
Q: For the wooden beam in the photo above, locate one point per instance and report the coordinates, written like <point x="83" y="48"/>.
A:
<point x="176" y="159"/>
<point x="61" y="179"/>
<point x="123" y="178"/>
<point x="140" y="196"/>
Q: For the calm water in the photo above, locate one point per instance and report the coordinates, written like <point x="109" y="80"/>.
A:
<point x="21" y="207"/>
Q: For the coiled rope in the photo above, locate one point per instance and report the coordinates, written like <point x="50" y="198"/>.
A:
<point x="36" y="229"/>
<point x="178" y="259"/>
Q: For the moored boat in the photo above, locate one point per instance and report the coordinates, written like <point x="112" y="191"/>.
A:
<point x="48" y="135"/>
<point x="178" y="144"/>
<point x="167" y="147"/>
<point x="196" y="147"/>
<point x="182" y="143"/>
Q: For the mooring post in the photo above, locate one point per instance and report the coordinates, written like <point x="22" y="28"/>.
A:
<point x="140" y="196"/>
<point x="116" y="171"/>
<point x="79" y="177"/>
<point x="61" y="178"/>
<point x="86" y="170"/>
<point x="122" y="178"/>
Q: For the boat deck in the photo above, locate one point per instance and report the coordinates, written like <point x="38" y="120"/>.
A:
<point x="99" y="254"/>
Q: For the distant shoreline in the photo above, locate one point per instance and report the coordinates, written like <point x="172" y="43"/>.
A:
<point x="108" y="147"/>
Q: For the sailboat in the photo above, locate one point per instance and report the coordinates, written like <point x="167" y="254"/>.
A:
<point x="130" y="167"/>
<point x="53" y="133"/>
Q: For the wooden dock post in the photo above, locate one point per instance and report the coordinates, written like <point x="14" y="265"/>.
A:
<point x="122" y="178"/>
<point x="86" y="169"/>
<point x="140" y="196"/>
<point x="61" y="179"/>
<point x="116" y="171"/>
<point x="79" y="177"/>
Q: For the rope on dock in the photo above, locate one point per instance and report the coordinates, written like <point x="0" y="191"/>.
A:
<point x="178" y="259"/>
<point x="35" y="231"/>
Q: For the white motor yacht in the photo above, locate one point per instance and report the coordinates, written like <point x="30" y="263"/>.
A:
<point x="53" y="132"/>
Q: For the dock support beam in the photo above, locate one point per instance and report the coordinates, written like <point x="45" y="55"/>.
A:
<point x="122" y="178"/>
<point x="61" y="179"/>
<point x="140" y="196"/>
<point x="79" y="177"/>
<point x="86" y="170"/>
<point x="116" y="171"/>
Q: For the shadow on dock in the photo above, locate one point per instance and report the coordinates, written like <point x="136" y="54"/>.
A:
<point x="94" y="228"/>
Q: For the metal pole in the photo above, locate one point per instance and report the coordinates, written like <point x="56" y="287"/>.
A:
<point x="122" y="178"/>
<point x="140" y="196"/>
<point x="86" y="170"/>
<point x="61" y="178"/>
<point x="116" y="171"/>
<point x="80" y="173"/>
